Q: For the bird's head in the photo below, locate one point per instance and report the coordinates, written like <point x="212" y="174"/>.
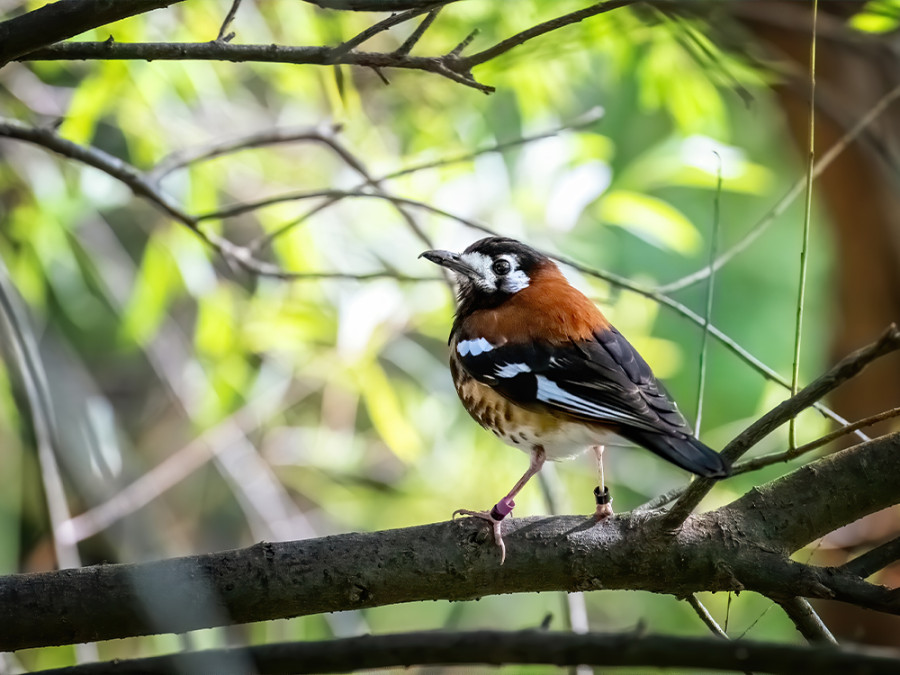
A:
<point x="492" y="269"/>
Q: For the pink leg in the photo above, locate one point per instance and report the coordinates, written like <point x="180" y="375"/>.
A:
<point x="601" y="492"/>
<point x="505" y="506"/>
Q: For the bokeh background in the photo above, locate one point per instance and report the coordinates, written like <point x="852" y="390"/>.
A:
<point x="199" y="407"/>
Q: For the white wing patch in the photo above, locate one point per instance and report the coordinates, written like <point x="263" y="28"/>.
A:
<point x="550" y="392"/>
<point x="509" y="370"/>
<point x="474" y="347"/>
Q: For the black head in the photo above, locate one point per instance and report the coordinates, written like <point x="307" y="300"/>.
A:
<point x="490" y="270"/>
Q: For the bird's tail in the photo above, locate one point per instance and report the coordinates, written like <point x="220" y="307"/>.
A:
<point x="686" y="452"/>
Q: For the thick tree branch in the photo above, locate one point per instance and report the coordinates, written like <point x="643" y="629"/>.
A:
<point x="60" y="20"/>
<point x="743" y="546"/>
<point x="519" y="647"/>
<point x="843" y="371"/>
<point x="819" y="497"/>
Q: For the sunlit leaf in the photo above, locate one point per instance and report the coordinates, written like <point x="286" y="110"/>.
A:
<point x="154" y="290"/>
<point x="653" y="220"/>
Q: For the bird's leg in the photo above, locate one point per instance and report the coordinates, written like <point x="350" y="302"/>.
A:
<point x="505" y="506"/>
<point x="601" y="492"/>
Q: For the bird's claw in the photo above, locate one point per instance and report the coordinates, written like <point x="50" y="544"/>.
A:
<point x="495" y="526"/>
<point x="603" y="512"/>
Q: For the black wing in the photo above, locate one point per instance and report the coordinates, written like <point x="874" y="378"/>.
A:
<point x="602" y="380"/>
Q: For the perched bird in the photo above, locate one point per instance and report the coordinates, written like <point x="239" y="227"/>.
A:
<point x="534" y="361"/>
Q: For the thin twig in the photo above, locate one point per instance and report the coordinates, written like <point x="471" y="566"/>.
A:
<point x="843" y="371"/>
<point x="807" y="621"/>
<point x="223" y="36"/>
<point x="109" y="164"/>
<point x="707" y="618"/>
<point x="582" y="121"/>
<point x="704" y="342"/>
<point x="373" y="30"/>
<point x="417" y="34"/>
<point x="872" y="561"/>
<point x="796" y="189"/>
<point x="542" y="28"/>
<point x="218" y="148"/>
<point x="251" y="53"/>
<point x="807" y="217"/>
<point x="792" y="453"/>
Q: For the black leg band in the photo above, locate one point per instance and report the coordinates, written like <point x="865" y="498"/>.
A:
<point x="602" y="497"/>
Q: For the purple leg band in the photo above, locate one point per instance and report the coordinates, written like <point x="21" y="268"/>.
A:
<point x="502" y="509"/>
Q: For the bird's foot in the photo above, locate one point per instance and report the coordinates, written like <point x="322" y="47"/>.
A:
<point x="495" y="517"/>
<point x="604" y="504"/>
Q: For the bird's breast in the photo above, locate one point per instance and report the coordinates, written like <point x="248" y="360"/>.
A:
<point x="525" y="429"/>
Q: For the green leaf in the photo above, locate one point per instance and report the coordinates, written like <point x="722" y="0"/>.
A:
<point x="386" y="411"/>
<point x="154" y="289"/>
<point x="653" y="220"/>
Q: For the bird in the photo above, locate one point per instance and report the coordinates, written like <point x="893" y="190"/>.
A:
<point x="537" y="363"/>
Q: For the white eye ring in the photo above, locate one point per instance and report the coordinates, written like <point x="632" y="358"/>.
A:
<point x="501" y="267"/>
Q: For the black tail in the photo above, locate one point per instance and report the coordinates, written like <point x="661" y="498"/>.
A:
<point x="686" y="452"/>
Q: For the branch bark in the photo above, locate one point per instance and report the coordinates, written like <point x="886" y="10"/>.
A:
<point x="504" y="648"/>
<point x="743" y="546"/>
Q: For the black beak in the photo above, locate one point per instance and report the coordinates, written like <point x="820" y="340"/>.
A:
<point x="451" y="261"/>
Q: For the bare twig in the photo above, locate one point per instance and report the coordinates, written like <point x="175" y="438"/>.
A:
<point x="541" y="29"/>
<point x="843" y="371"/>
<point x="375" y="5"/>
<point x="184" y="158"/>
<point x="242" y="53"/>
<point x="373" y="30"/>
<point x="807" y="621"/>
<point x="872" y="561"/>
<point x="450" y="65"/>
<point x="792" y="453"/>
<point x="417" y="34"/>
<point x="582" y="121"/>
<point x="503" y="648"/>
<point x="796" y="190"/>
<point x="807" y="218"/>
<point x="710" y="287"/>
<point x="101" y="160"/>
<point x="223" y="36"/>
<point x="707" y="618"/>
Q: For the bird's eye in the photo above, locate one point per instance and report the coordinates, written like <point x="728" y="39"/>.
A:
<point x="501" y="267"/>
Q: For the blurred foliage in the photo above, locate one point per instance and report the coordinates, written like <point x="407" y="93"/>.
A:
<point x="341" y="385"/>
